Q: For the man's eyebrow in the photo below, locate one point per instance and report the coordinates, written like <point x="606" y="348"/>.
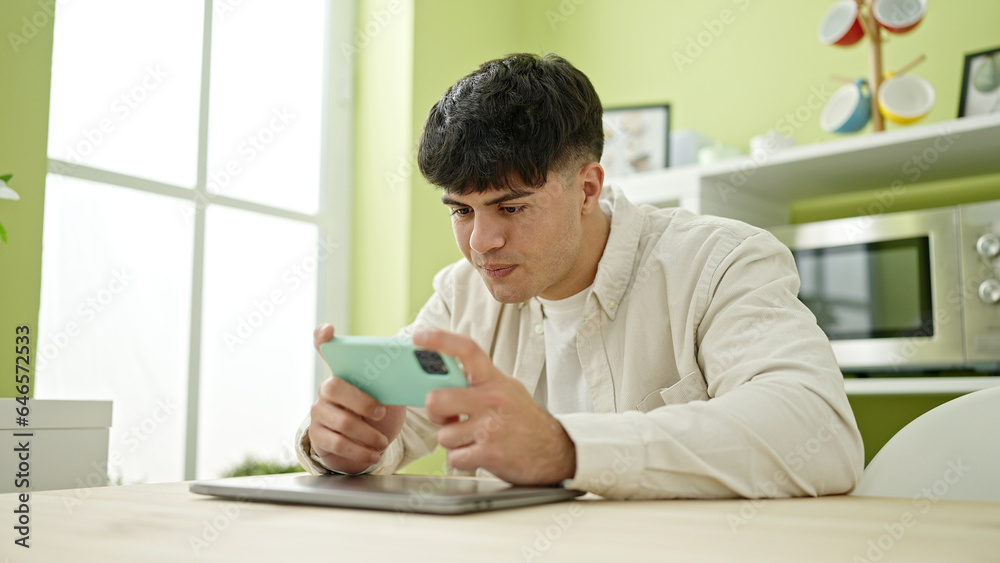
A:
<point x="506" y="196"/>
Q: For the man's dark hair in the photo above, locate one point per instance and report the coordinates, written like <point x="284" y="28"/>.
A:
<point x="514" y="118"/>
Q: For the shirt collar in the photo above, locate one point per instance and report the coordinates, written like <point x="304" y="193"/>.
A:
<point x="614" y="271"/>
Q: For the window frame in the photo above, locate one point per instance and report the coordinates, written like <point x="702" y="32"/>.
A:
<point x="333" y="219"/>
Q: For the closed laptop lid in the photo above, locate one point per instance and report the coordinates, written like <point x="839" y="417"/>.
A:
<point x="401" y="493"/>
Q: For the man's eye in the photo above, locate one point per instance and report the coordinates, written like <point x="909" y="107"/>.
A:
<point x="460" y="211"/>
<point x="510" y="209"/>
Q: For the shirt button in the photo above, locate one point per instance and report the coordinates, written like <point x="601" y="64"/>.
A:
<point x="539" y="329"/>
<point x="612" y="304"/>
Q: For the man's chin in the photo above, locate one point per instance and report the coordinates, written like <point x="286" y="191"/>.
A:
<point x="506" y="292"/>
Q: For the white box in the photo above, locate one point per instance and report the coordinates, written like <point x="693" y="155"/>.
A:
<point x="64" y="445"/>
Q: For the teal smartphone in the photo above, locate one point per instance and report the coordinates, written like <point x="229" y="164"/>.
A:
<point x="392" y="370"/>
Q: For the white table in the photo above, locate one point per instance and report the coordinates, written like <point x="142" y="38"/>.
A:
<point x="164" y="522"/>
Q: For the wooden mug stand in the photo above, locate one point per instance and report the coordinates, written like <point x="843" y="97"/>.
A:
<point x="875" y="75"/>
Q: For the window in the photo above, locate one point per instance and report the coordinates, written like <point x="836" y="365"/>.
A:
<point x="195" y="224"/>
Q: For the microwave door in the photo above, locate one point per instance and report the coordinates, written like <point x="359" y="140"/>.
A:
<point x="869" y="291"/>
<point x="879" y="286"/>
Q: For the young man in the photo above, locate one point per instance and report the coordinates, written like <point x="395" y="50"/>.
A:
<point x="627" y="351"/>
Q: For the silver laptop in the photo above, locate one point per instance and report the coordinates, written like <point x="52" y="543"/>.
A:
<point x="400" y="493"/>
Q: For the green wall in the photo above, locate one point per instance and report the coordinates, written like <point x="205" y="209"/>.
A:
<point x="880" y="416"/>
<point x="383" y="141"/>
<point x="25" y="71"/>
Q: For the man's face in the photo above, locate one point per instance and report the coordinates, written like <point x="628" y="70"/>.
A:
<point x="523" y="241"/>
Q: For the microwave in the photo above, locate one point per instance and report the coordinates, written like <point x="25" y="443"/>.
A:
<point x="907" y="291"/>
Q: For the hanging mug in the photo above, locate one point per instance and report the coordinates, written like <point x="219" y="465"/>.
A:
<point x="904" y="99"/>
<point x="848" y="109"/>
<point x="899" y="16"/>
<point x="840" y="25"/>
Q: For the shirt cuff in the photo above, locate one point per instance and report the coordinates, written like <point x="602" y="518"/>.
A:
<point x="609" y="457"/>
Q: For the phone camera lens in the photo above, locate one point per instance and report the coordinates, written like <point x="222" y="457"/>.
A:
<point x="431" y="362"/>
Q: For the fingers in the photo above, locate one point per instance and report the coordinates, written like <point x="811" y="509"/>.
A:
<point x="323" y="333"/>
<point x="340" y="392"/>
<point x="467" y="452"/>
<point x="447" y="405"/>
<point x="463" y="442"/>
<point x="477" y="365"/>
<point x="464" y="459"/>
<point x="337" y="431"/>
<point x="459" y="434"/>
<point x="339" y="427"/>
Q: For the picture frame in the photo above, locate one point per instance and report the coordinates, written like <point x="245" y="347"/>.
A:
<point x="980" y="84"/>
<point x="636" y="139"/>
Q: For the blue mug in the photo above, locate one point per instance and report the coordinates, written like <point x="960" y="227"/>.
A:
<point x="848" y="109"/>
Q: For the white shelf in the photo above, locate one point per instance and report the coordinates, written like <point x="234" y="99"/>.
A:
<point x="918" y="385"/>
<point x="924" y="153"/>
<point x="969" y="146"/>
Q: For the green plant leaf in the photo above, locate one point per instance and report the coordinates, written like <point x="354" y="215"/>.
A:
<point x="6" y="178"/>
<point x="254" y="466"/>
<point x="3" y="234"/>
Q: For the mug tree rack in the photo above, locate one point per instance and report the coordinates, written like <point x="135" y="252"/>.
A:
<point x="873" y="31"/>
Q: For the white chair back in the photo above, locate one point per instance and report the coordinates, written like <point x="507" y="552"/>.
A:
<point x="950" y="452"/>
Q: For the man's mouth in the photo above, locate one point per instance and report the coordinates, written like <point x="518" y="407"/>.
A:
<point x="497" y="271"/>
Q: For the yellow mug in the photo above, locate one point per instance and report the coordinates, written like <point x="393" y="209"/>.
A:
<point x="905" y="99"/>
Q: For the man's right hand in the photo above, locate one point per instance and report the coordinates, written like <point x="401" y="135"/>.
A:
<point x="349" y="429"/>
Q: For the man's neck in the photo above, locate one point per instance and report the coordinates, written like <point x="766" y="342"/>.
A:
<point x="596" y="229"/>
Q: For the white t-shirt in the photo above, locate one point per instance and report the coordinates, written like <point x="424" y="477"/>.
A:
<point x="562" y="388"/>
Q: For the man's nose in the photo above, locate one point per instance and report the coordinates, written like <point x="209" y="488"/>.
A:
<point x="487" y="234"/>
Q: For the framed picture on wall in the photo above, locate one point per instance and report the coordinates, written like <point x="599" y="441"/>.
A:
<point x="980" y="84"/>
<point x="636" y="139"/>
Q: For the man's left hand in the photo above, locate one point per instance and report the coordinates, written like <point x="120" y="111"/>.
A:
<point x="494" y="423"/>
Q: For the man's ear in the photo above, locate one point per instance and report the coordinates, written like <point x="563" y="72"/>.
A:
<point x="592" y="177"/>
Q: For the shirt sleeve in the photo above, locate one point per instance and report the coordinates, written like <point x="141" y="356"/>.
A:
<point x="776" y="422"/>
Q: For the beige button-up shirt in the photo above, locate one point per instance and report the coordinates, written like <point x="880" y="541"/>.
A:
<point x="708" y="376"/>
